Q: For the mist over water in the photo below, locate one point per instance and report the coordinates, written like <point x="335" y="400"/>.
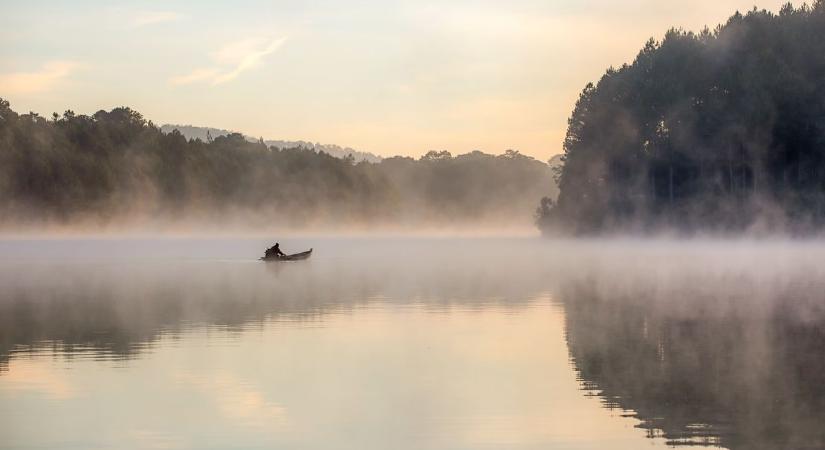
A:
<point x="135" y="312"/>
<point x="411" y="343"/>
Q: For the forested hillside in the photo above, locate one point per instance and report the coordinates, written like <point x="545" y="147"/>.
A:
<point x="206" y="133"/>
<point x="719" y="130"/>
<point x="116" y="168"/>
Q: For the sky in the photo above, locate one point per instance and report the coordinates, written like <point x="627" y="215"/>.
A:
<point x="385" y="76"/>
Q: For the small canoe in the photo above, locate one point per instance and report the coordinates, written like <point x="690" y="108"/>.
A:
<point x="293" y="257"/>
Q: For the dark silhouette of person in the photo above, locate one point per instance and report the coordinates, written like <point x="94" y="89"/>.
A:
<point x="275" y="250"/>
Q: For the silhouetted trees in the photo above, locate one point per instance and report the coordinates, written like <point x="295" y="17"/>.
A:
<point x="116" y="166"/>
<point x="721" y="130"/>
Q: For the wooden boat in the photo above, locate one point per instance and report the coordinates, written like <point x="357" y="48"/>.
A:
<point x="292" y="257"/>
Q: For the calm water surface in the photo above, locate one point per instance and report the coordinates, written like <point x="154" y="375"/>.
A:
<point x="411" y="343"/>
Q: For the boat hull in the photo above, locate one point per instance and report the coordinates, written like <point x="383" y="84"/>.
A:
<point x="292" y="257"/>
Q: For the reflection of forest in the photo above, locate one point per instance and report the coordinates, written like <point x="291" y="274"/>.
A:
<point x="120" y="311"/>
<point x="713" y="346"/>
<point x="723" y="373"/>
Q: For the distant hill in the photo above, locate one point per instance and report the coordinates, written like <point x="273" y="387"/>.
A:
<point x="331" y="149"/>
<point x="193" y="132"/>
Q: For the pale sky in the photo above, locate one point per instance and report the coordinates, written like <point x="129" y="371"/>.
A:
<point x="385" y="76"/>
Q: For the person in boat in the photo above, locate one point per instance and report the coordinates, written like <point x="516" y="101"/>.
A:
<point x="275" y="250"/>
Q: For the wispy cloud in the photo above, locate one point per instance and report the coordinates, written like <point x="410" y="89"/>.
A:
<point x="144" y="18"/>
<point x="231" y="60"/>
<point x="38" y="81"/>
<point x="196" y="75"/>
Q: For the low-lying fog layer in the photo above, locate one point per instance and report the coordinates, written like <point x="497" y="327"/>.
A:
<point x="701" y="341"/>
<point x="749" y="272"/>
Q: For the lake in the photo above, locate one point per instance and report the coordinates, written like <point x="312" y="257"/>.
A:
<point x="411" y="343"/>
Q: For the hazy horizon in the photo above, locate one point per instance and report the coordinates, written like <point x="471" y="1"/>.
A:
<point x="659" y="286"/>
<point x="398" y="78"/>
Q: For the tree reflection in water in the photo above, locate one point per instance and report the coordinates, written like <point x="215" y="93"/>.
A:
<point x="716" y="343"/>
<point x="706" y="369"/>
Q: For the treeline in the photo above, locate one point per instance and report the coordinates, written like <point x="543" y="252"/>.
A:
<point x="207" y="133"/>
<point x="723" y="130"/>
<point x="116" y="167"/>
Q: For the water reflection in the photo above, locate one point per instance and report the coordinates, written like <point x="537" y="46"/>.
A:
<point x="415" y="344"/>
<point x="725" y="361"/>
<point x="120" y="312"/>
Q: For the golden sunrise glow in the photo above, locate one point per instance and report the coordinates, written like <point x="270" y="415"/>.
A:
<point x="398" y="77"/>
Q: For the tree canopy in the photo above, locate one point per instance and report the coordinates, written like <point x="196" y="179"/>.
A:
<point x="719" y="130"/>
<point x="115" y="167"/>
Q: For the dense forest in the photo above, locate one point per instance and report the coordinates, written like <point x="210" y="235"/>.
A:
<point x="116" y="168"/>
<point x="720" y="130"/>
